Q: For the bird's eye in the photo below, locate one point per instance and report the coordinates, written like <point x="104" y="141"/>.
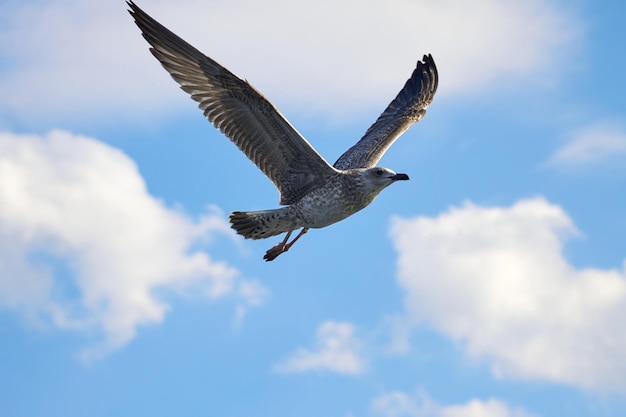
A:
<point x="379" y="172"/>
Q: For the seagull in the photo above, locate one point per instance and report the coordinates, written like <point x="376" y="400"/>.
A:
<point x="313" y="193"/>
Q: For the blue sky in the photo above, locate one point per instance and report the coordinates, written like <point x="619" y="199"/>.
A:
<point x="492" y="284"/>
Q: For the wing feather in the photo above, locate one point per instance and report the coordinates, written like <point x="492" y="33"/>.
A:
<point x="407" y="108"/>
<point x="240" y="112"/>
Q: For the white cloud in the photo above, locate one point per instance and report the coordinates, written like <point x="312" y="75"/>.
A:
<point x="94" y="63"/>
<point x="401" y="404"/>
<point x="495" y="279"/>
<point x="478" y="408"/>
<point x="336" y="349"/>
<point x="252" y="294"/>
<point x="591" y="145"/>
<point x="83" y="244"/>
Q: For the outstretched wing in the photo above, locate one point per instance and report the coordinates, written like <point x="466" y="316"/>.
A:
<point x="241" y="113"/>
<point x="407" y="108"/>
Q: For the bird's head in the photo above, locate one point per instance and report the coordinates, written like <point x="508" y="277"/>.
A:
<point x="377" y="178"/>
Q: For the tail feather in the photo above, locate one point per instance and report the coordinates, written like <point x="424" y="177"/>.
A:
<point x="262" y="224"/>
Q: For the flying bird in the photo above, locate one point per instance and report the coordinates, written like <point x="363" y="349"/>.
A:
<point x="314" y="193"/>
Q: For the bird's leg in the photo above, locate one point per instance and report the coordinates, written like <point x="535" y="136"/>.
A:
<point x="283" y="246"/>
<point x="272" y="253"/>
<point x="303" y="231"/>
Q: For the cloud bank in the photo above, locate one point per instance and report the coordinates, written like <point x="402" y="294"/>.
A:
<point x="84" y="246"/>
<point x="495" y="280"/>
<point x="94" y="55"/>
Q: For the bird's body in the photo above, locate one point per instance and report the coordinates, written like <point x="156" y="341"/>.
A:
<point x="314" y="193"/>
<point x="342" y="195"/>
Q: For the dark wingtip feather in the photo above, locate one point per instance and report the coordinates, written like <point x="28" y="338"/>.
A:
<point x="428" y="65"/>
<point x="407" y="108"/>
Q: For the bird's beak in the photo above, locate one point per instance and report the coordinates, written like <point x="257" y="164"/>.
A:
<point x="399" y="177"/>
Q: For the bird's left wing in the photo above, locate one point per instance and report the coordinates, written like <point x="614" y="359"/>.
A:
<point x="407" y="108"/>
<point x="247" y="118"/>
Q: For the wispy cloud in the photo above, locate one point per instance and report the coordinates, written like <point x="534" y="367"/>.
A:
<point x="496" y="279"/>
<point x="591" y="145"/>
<point x="83" y="245"/>
<point x="402" y="404"/>
<point x="336" y="349"/>
<point x="252" y="294"/>
<point x="94" y="62"/>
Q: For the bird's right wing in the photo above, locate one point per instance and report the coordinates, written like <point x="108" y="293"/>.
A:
<point x="407" y="108"/>
<point x="247" y="118"/>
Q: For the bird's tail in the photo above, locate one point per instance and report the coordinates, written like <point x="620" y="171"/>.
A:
<point x="262" y="224"/>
